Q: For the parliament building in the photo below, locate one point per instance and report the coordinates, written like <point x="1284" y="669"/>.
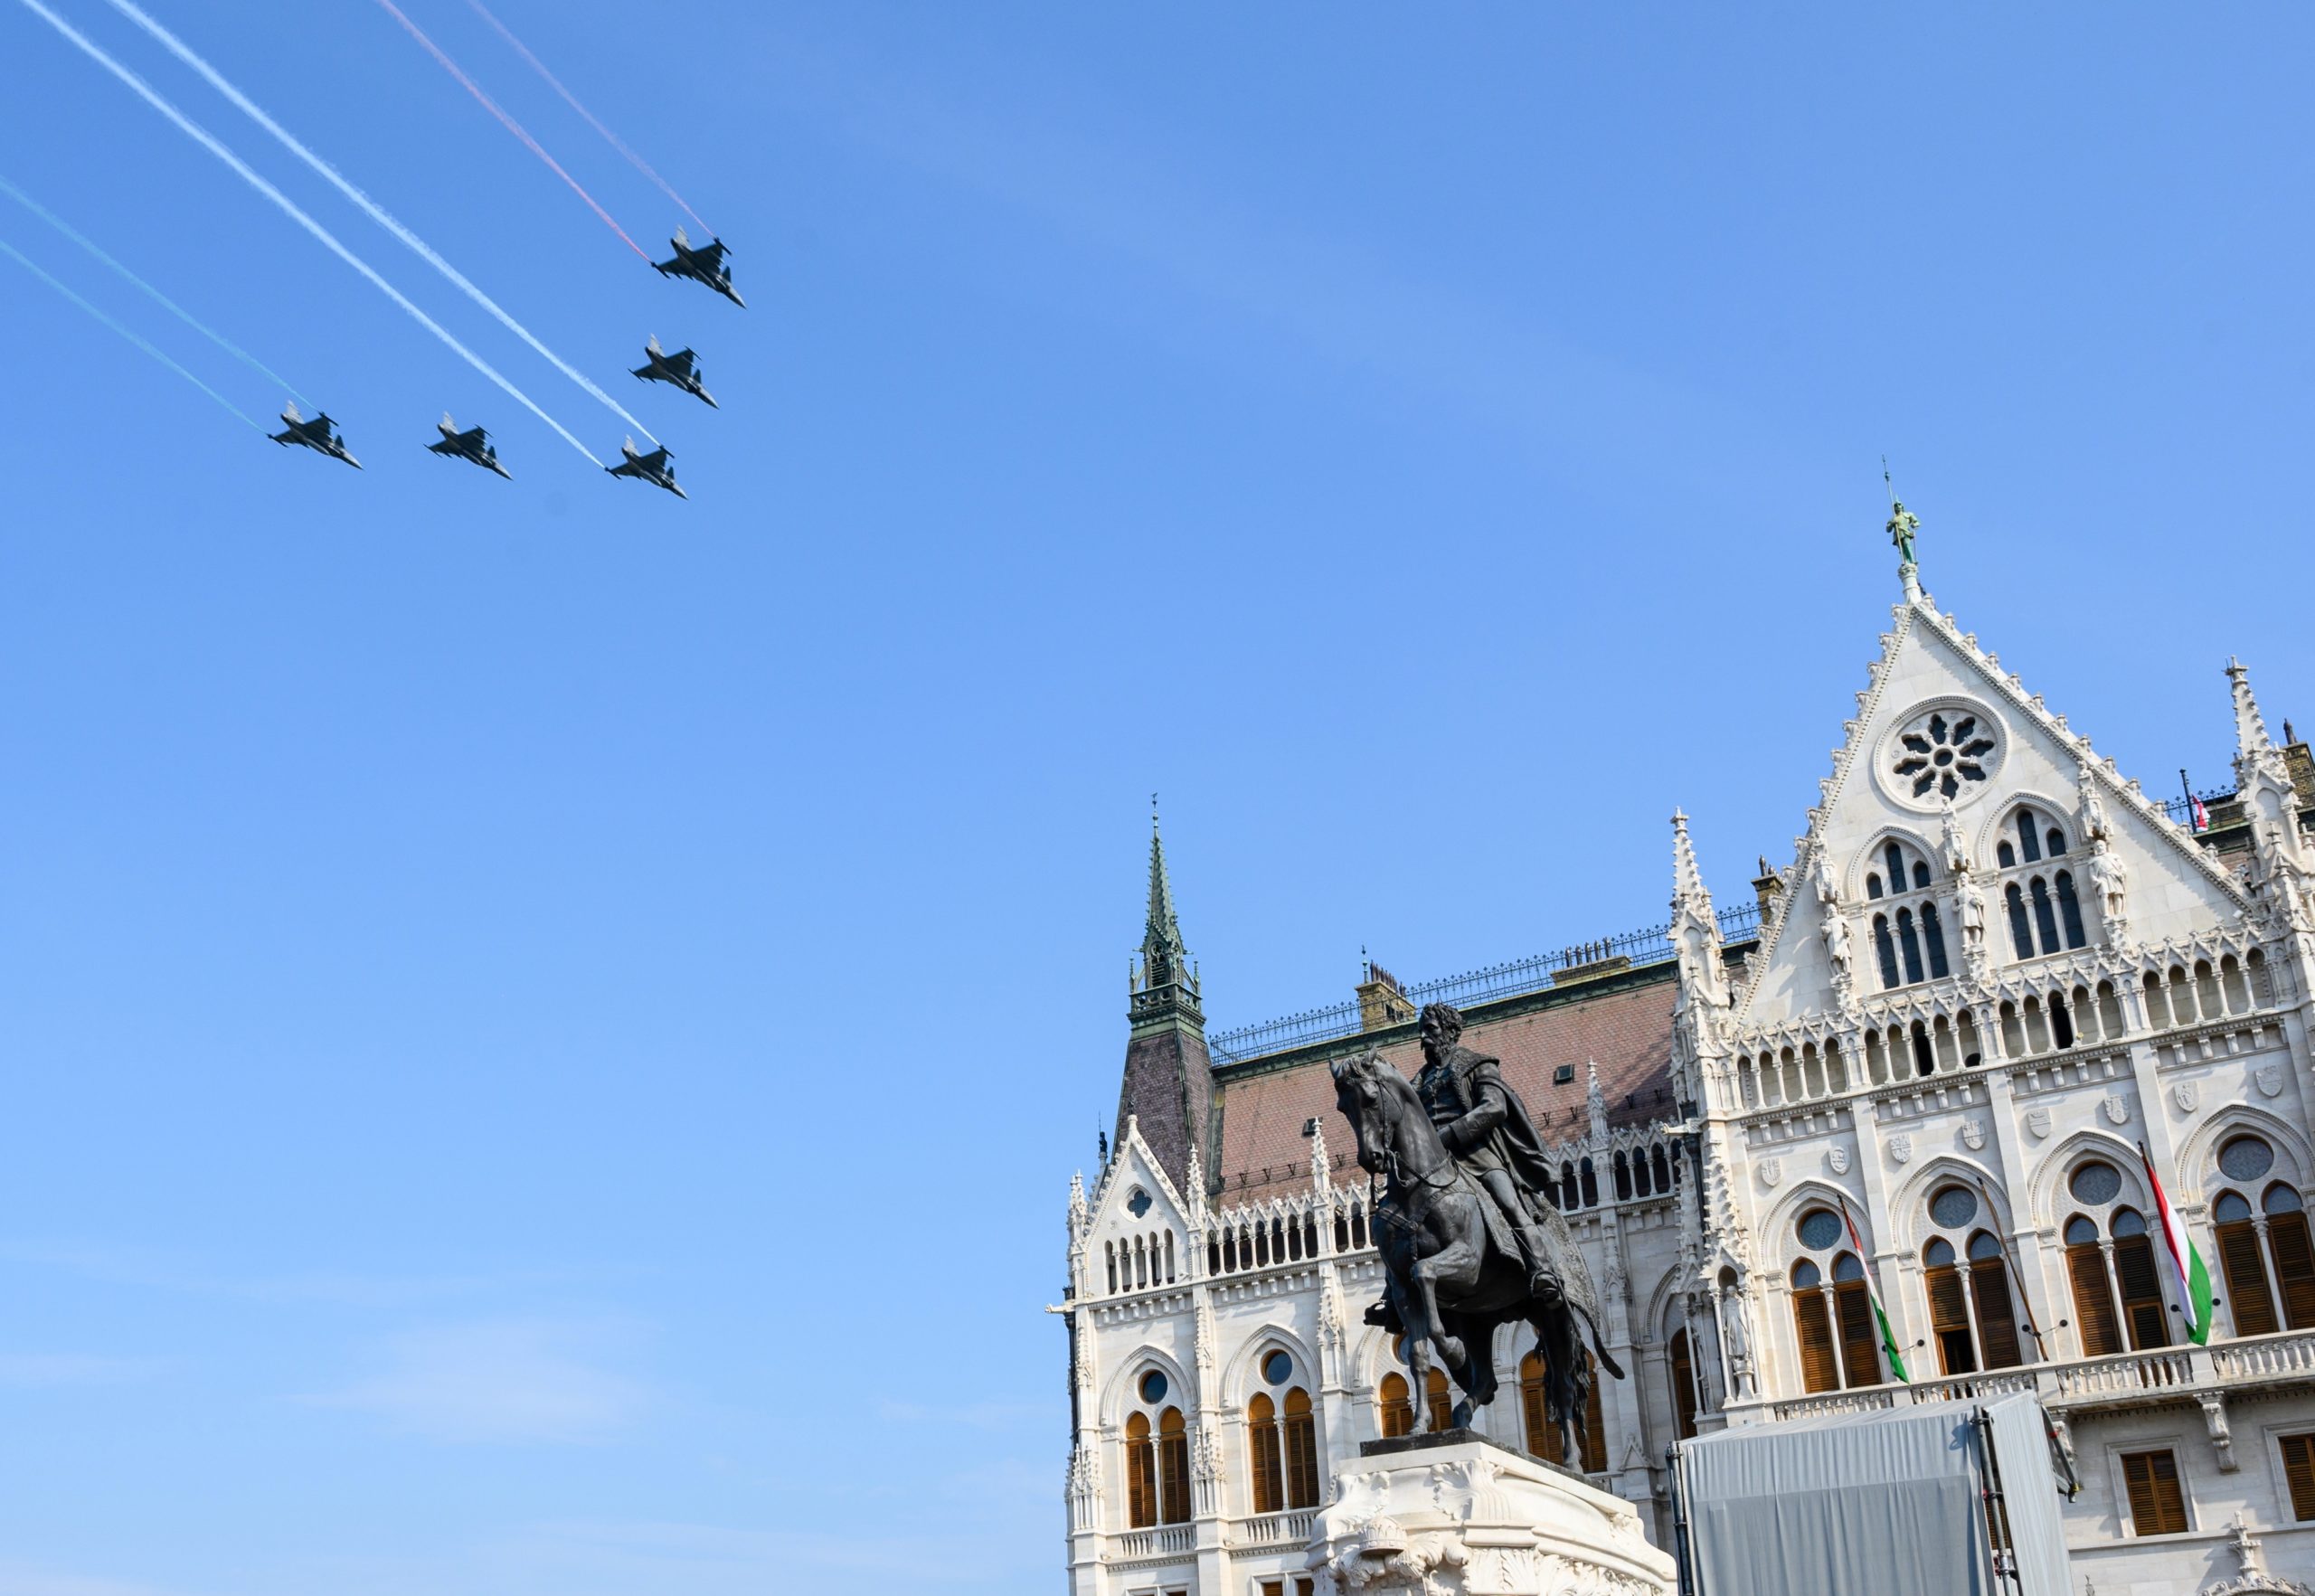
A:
<point x="1943" y="1056"/>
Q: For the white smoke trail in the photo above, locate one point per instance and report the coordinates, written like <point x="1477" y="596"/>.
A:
<point x="167" y="303"/>
<point x="25" y="262"/>
<point x="377" y="213"/>
<point x="209" y="142"/>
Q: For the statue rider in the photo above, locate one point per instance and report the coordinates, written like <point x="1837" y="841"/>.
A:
<point x="1485" y="1127"/>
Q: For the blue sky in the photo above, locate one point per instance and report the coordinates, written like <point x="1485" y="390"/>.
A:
<point x="547" y="1027"/>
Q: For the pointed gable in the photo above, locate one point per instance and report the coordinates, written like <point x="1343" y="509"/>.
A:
<point x="1941" y="723"/>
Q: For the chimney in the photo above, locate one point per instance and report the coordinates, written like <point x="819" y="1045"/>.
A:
<point x="1382" y="1001"/>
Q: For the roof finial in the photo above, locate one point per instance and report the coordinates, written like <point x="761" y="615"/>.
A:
<point x="1902" y="524"/>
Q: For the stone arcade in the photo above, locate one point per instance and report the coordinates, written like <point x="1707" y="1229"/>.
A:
<point x="1993" y="968"/>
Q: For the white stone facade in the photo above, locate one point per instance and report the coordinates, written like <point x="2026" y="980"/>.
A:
<point x="2163" y="998"/>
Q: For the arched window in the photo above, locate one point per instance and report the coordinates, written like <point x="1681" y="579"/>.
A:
<point x="1896" y="857"/>
<point x="1140" y="1474"/>
<point x="1924" y="1057"/>
<point x="2026" y="840"/>
<point x="1663" y="1173"/>
<point x="2094" y="1294"/>
<point x="1885" y="950"/>
<point x="2054" y="840"/>
<point x="1933" y="936"/>
<point x="1910" y="944"/>
<point x="1949" y="1310"/>
<point x="1920" y="874"/>
<point x="1997" y="1316"/>
<point x="2069" y="908"/>
<point x="1812" y="1328"/>
<point x="1262" y="1457"/>
<point x="1301" y="1451"/>
<point x="1568" y="1193"/>
<point x="1395" y="1413"/>
<point x="1111" y="1248"/>
<point x="2141" y="1287"/>
<point x="1872" y="883"/>
<point x="1640" y="1184"/>
<point x="1684" y="1389"/>
<point x="1623" y="1177"/>
<point x="2294" y="1255"/>
<point x="2004" y="854"/>
<point x="2244" y="1264"/>
<point x="1853" y="1311"/>
<point x="2020" y="935"/>
<point x="1173" y="1469"/>
<point x="1590" y="1183"/>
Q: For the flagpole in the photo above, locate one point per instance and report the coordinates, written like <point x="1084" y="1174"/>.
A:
<point x="2001" y="1239"/>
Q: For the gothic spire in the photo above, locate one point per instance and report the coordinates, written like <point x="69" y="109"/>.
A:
<point x="1687" y="881"/>
<point x="2254" y="748"/>
<point x="1165" y="960"/>
<point x="1169" y="1074"/>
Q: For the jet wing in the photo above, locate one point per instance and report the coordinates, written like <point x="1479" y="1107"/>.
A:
<point x="472" y="438"/>
<point x="680" y="361"/>
<point x="712" y="252"/>
<point x="656" y="460"/>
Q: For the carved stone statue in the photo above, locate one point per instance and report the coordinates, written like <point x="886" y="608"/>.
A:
<point x="1969" y="908"/>
<point x="1837" y="945"/>
<point x="2112" y="878"/>
<point x="2090" y="809"/>
<point x="1956" y="846"/>
<point x="1736" y="1343"/>
<point x="1469" y="1236"/>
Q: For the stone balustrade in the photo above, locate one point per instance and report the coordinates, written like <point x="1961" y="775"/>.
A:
<point x="2127" y="1379"/>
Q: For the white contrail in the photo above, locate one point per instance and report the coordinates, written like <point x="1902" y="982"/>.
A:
<point x="209" y="142"/>
<point x="378" y="214"/>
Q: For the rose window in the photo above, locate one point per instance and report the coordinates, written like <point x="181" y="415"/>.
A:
<point x="1942" y="755"/>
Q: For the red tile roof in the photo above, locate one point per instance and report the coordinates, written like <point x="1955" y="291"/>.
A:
<point x="1626" y="1029"/>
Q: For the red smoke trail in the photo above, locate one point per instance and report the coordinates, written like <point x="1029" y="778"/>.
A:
<point x="538" y="66"/>
<point x="511" y="125"/>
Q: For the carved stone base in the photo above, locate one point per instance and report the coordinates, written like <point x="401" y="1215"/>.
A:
<point x="1466" y="1517"/>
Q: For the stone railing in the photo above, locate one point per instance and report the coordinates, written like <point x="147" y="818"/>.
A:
<point x="2266" y="1357"/>
<point x="2127" y="1378"/>
<point x="1175" y="1540"/>
<point x="1273" y="1529"/>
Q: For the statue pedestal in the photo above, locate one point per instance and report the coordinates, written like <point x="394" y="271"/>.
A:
<point x="1455" y="1514"/>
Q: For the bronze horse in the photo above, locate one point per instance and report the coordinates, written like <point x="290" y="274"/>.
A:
<point x="1445" y="1280"/>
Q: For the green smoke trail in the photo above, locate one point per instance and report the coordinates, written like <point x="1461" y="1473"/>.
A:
<point x="167" y="303"/>
<point x="233" y="409"/>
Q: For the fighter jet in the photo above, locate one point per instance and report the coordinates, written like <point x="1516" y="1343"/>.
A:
<point x="702" y="265"/>
<point x="473" y="444"/>
<point x="680" y="369"/>
<point x="315" y="435"/>
<point x="652" y="467"/>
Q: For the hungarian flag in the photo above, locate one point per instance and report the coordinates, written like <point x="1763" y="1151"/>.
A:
<point x="2187" y="1271"/>
<point x="1873" y="1295"/>
<point x="2202" y="815"/>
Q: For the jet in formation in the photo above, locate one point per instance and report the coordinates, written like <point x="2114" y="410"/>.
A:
<point x="473" y="444"/>
<point x="652" y="467"/>
<point x="680" y="369"/>
<point x="315" y="435"/>
<point x="702" y="265"/>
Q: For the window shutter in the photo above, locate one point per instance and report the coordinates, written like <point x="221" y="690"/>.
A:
<point x="2156" y="1508"/>
<point x="2299" y="1471"/>
<point x="1140" y="1474"/>
<point x="1543" y="1435"/>
<point x="2094" y="1300"/>
<point x="1997" y="1317"/>
<point x="1818" y="1369"/>
<point x="1595" y="1428"/>
<point x="2294" y="1268"/>
<point x="1949" y="1320"/>
<point x="1173" y="1470"/>
<point x="1301" y="1451"/>
<point x="1396" y="1414"/>
<point x="1860" y="1343"/>
<point x="2142" y="1292"/>
<point x="2246" y="1279"/>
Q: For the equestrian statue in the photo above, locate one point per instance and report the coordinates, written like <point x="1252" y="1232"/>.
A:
<point x="1469" y="1237"/>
